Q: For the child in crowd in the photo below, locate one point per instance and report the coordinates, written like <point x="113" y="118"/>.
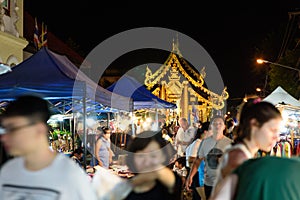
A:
<point x="180" y="168"/>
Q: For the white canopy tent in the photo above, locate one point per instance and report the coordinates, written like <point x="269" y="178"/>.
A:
<point x="290" y="110"/>
<point x="280" y="96"/>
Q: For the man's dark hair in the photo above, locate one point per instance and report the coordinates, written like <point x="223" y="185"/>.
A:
<point x="28" y="106"/>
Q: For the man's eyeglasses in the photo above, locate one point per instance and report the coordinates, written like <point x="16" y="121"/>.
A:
<point x="4" y="130"/>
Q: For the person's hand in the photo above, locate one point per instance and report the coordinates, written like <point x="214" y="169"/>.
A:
<point x="188" y="183"/>
<point x="100" y="163"/>
<point x="149" y="175"/>
<point x="142" y="178"/>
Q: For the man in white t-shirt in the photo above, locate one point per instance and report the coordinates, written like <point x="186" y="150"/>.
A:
<point x="36" y="172"/>
<point x="184" y="136"/>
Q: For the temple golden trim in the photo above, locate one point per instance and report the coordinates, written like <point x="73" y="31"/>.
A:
<point x="176" y="81"/>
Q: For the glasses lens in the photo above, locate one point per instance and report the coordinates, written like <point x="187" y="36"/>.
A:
<point x="2" y="131"/>
<point x="13" y="129"/>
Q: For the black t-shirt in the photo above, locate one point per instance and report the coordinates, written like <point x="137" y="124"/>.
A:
<point x="159" y="192"/>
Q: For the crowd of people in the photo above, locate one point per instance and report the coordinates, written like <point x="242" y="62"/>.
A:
<point x="217" y="159"/>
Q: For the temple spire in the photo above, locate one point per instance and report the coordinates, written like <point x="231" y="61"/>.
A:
<point x="175" y="46"/>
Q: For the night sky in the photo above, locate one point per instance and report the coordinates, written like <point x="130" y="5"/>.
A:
<point x="229" y="32"/>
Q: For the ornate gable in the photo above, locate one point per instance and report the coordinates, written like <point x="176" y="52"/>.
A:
<point x="176" y="74"/>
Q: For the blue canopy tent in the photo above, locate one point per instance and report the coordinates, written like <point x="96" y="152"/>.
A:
<point x="142" y="97"/>
<point x="54" y="77"/>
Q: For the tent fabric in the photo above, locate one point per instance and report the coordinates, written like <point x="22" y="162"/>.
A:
<point x="65" y="106"/>
<point x="280" y="96"/>
<point x="4" y="68"/>
<point x="142" y="97"/>
<point x="54" y="76"/>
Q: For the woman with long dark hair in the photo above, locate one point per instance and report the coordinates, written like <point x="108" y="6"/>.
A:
<point x="258" y="129"/>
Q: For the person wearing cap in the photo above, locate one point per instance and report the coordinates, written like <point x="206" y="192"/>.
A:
<point x="36" y="172"/>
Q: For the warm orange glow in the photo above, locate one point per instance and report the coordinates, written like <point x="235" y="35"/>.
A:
<point x="258" y="89"/>
<point x="260" y="61"/>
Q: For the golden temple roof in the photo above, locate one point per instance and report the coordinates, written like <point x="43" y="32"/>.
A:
<point x="176" y="63"/>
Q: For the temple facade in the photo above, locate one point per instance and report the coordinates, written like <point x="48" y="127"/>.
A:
<point x="178" y="82"/>
<point x="11" y="32"/>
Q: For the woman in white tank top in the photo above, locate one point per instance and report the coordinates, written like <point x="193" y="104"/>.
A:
<point x="258" y="129"/>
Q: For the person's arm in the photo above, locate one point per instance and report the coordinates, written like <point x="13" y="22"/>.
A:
<point x="111" y="154"/>
<point x="97" y="148"/>
<point x="194" y="152"/>
<point x="230" y="161"/>
<point x="185" y="143"/>
<point x="226" y="189"/>
<point x="195" y="165"/>
<point x="235" y="158"/>
<point x="193" y="171"/>
<point x="176" y="141"/>
<point x="191" y="160"/>
<point x="164" y="175"/>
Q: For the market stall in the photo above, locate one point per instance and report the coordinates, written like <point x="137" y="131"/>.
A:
<point x="143" y="102"/>
<point x="55" y="78"/>
<point x="289" y="107"/>
<point x="142" y="97"/>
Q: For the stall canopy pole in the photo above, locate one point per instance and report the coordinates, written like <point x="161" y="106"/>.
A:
<point x="132" y="123"/>
<point x="84" y="125"/>
<point x="156" y="117"/>
<point x="73" y="132"/>
<point x="108" y="119"/>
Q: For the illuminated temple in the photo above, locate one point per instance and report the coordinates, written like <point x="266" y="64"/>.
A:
<point x="178" y="82"/>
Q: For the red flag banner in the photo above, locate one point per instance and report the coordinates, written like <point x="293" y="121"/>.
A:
<point x="44" y="41"/>
<point x="36" y="35"/>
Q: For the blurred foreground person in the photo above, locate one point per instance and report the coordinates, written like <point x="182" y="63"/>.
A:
<point x="258" y="129"/>
<point x="36" y="172"/>
<point x="263" y="178"/>
<point x="3" y="154"/>
<point x="148" y="157"/>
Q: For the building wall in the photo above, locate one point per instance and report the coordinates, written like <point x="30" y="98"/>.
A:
<point x="12" y="42"/>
